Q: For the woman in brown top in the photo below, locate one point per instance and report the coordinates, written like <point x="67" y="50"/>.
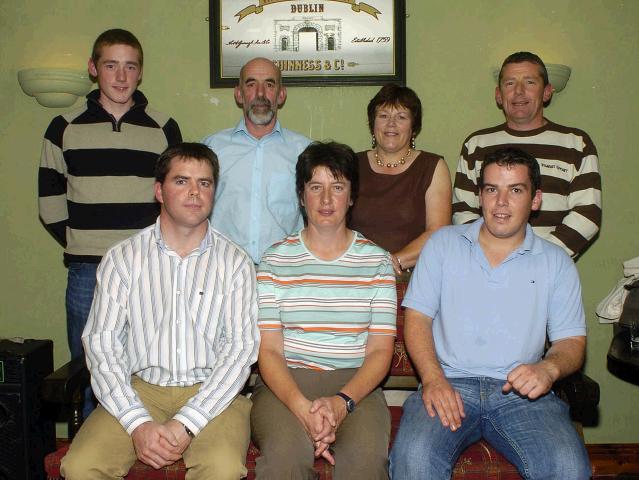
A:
<point x="405" y="193"/>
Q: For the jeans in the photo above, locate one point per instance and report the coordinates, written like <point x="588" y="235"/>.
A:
<point x="80" y="287"/>
<point x="536" y="436"/>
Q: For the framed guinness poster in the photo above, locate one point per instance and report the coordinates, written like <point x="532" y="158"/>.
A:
<point x="319" y="42"/>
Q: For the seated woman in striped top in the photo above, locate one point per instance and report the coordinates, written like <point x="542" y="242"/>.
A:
<point x="327" y="309"/>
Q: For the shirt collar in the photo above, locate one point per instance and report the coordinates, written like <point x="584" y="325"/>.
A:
<point x="529" y="133"/>
<point x="93" y="101"/>
<point x="241" y="128"/>
<point x="205" y="244"/>
<point x="530" y="244"/>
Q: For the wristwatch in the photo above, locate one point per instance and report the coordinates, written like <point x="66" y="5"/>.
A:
<point x="189" y="432"/>
<point x="350" y="403"/>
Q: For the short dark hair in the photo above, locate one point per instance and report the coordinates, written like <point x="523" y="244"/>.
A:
<point x="186" y="151"/>
<point x="396" y="96"/>
<point x="340" y="159"/>
<point x="513" y="156"/>
<point x="520" y="57"/>
<point x="116" y="36"/>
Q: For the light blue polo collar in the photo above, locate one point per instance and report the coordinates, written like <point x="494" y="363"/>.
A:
<point x="530" y="244"/>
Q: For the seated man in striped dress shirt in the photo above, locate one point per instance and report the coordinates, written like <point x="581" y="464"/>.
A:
<point x="570" y="213"/>
<point x="170" y="338"/>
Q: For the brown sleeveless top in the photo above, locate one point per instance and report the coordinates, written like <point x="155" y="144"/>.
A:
<point x="390" y="209"/>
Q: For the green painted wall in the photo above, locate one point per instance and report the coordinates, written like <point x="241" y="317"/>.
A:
<point x="452" y="48"/>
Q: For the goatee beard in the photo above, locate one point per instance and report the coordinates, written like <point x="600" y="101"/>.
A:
<point x="261" y="118"/>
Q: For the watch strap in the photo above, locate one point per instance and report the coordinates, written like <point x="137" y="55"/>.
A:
<point x="350" y="403"/>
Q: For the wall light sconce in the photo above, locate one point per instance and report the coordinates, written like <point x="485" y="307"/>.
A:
<point x="558" y="75"/>
<point x="54" y="87"/>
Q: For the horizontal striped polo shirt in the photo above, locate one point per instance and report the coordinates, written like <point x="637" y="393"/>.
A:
<point x="570" y="214"/>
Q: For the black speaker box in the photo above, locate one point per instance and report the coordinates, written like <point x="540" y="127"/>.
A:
<point x="27" y="431"/>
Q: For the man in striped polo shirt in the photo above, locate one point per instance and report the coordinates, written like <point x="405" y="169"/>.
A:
<point x="570" y="213"/>
<point x="95" y="180"/>
<point x="170" y="339"/>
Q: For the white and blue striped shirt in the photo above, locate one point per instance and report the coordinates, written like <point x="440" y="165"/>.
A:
<point x="172" y="321"/>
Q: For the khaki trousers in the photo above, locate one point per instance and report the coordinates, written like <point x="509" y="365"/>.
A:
<point x="103" y="450"/>
<point x="361" y="445"/>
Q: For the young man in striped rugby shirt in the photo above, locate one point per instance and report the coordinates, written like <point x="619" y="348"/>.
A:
<point x="170" y="339"/>
<point x="95" y="180"/>
<point x="570" y="214"/>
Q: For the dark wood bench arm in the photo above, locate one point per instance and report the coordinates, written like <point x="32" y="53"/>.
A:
<point x="582" y="394"/>
<point x="66" y="387"/>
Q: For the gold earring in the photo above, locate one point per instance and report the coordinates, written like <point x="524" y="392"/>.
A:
<point x="373" y="142"/>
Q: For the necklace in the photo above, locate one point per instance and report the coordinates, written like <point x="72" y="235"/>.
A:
<point x="402" y="160"/>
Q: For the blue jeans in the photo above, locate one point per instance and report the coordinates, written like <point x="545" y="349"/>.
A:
<point x="80" y="287"/>
<point x="536" y="436"/>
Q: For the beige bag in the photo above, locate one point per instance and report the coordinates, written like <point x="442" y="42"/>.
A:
<point x="610" y="308"/>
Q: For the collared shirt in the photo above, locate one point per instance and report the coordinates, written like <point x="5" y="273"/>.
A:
<point x="255" y="201"/>
<point x="172" y="321"/>
<point x="488" y="320"/>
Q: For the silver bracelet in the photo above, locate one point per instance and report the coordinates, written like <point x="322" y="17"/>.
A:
<point x="400" y="262"/>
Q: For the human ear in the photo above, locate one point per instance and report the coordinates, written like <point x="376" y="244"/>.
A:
<point x="93" y="70"/>
<point x="536" y="201"/>
<point x="158" y="192"/>
<point x="498" y="97"/>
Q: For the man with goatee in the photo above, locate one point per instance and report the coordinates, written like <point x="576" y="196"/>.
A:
<point x="256" y="204"/>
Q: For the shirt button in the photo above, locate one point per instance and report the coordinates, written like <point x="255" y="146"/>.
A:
<point x="178" y="292"/>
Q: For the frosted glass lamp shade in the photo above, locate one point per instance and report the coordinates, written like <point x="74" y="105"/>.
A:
<point x="54" y="87"/>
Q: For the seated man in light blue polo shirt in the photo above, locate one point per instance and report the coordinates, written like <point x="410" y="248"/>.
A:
<point x="482" y="300"/>
<point x="255" y="203"/>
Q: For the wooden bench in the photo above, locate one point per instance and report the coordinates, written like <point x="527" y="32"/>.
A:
<point x="479" y="461"/>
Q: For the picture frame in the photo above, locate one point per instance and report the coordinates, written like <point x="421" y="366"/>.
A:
<point x="314" y="43"/>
